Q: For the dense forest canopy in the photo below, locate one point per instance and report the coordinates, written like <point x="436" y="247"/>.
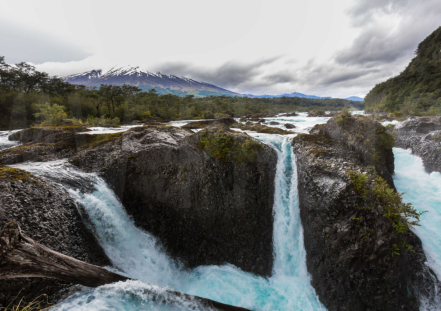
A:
<point x="27" y="96"/>
<point x="417" y="90"/>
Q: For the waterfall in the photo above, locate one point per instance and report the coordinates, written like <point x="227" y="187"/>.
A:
<point x="137" y="254"/>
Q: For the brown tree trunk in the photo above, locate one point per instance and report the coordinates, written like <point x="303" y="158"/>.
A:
<point x="22" y="257"/>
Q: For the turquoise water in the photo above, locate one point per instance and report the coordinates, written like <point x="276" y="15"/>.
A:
<point x="138" y="255"/>
<point x="423" y="190"/>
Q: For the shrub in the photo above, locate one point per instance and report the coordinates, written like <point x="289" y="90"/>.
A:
<point x="51" y="114"/>
<point x="225" y="146"/>
<point x="401" y="215"/>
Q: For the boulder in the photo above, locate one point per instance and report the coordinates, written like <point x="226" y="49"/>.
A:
<point x="356" y="257"/>
<point x="289" y="126"/>
<point x="45" y="211"/>
<point x="274" y="123"/>
<point x="292" y="114"/>
<point x="423" y="136"/>
<point x="207" y="196"/>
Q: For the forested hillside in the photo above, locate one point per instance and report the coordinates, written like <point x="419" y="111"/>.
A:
<point x="417" y="90"/>
<point x="28" y="96"/>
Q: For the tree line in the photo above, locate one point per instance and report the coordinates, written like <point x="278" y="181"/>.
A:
<point x="27" y="96"/>
<point x="417" y="90"/>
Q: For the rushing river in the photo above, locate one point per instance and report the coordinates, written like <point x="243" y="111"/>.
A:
<point x="423" y="190"/>
<point x="138" y="255"/>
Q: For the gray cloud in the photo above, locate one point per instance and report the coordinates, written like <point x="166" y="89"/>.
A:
<point x="228" y="75"/>
<point x="20" y="44"/>
<point x="381" y="44"/>
<point x="282" y="77"/>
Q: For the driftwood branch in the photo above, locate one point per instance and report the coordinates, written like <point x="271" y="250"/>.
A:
<point x="22" y="257"/>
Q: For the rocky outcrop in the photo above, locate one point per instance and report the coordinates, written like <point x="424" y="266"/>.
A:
<point x="204" y="123"/>
<point x="368" y="139"/>
<point x="207" y="196"/>
<point x="423" y="136"/>
<point x="260" y="128"/>
<point x="50" y="143"/>
<point x="355" y="255"/>
<point x="45" y="211"/>
<point x="47" y="134"/>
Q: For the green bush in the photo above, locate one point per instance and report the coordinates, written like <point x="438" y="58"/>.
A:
<point x="228" y="147"/>
<point x="401" y="215"/>
<point x="51" y="114"/>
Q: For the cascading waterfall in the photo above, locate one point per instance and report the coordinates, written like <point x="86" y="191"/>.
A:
<point x="138" y="255"/>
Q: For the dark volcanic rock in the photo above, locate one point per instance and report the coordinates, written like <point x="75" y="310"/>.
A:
<point x="370" y="140"/>
<point x="349" y="243"/>
<point x="48" y="144"/>
<point x="289" y="126"/>
<point x="260" y="128"/>
<point x="204" y="123"/>
<point x="48" y="215"/>
<point x="292" y="114"/>
<point x="423" y="136"/>
<point x="206" y="203"/>
<point x="46" y="134"/>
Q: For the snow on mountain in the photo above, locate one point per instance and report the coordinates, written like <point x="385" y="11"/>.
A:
<point x="136" y="76"/>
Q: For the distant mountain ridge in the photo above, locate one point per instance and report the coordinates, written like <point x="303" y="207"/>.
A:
<point x="355" y="98"/>
<point x="294" y="94"/>
<point x="134" y="75"/>
<point x="165" y="83"/>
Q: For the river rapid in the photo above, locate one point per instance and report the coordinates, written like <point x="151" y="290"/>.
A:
<point x="138" y="254"/>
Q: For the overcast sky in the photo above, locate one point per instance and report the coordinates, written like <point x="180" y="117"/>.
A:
<point x="335" y="48"/>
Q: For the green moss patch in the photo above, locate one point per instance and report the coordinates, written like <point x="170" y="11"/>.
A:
<point x="228" y="146"/>
<point x="14" y="174"/>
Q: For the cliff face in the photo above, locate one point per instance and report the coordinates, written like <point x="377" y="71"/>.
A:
<point x="208" y="196"/>
<point x="369" y="140"/>
<point x="423" y="137"/>
<point x="47" y="213"/>
<point x="357" y="258"/>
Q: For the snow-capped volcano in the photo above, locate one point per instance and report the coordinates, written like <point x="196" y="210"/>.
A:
<point x="136" y="76"/>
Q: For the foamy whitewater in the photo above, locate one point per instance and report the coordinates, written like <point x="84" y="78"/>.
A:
<point x="138" y="254"/>
<point x="423" y="190"/>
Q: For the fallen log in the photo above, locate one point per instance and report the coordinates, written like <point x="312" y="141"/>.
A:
<point x="22" y="257"/>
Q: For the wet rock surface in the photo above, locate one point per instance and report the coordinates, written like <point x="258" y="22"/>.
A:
<point x="47" y="214"/>
<point x="423" y="136"/>
<point x="207" y="196"/>
<point x="356" y="258"/>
